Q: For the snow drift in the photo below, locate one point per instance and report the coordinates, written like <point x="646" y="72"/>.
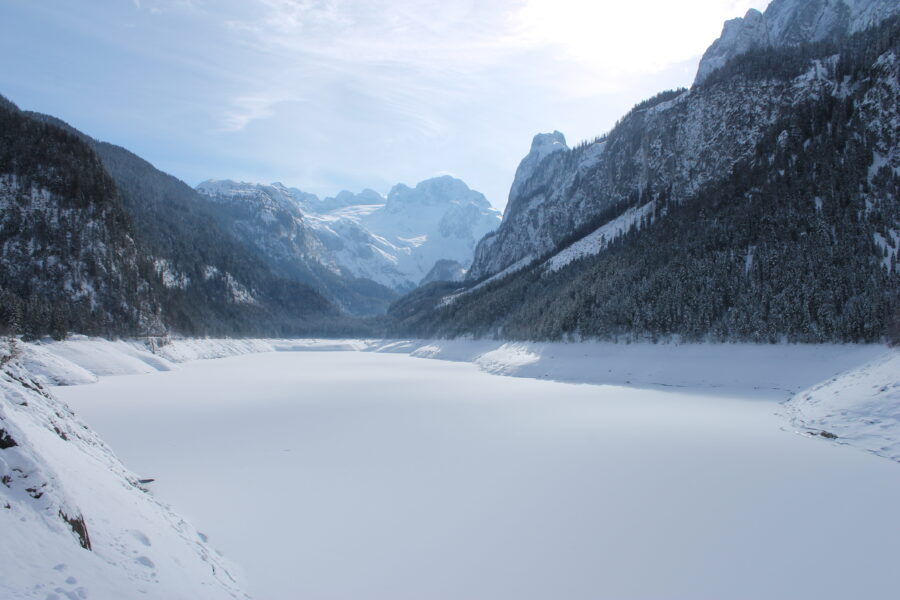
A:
<point x="76" y="523"/>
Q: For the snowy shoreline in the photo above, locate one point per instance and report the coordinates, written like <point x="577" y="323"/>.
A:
<point x="851" y="391"/>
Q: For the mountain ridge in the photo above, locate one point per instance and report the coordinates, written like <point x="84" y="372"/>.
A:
<point x="392" y="240"/>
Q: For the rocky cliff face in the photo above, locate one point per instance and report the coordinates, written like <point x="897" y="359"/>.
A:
<point x="444" y="270"/>
<point x="268" y="217"/>
<point x="791" y="23"/>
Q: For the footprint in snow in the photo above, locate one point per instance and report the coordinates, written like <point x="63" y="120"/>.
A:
<point x="145" y="561"/>
<point x="141" y="537"/>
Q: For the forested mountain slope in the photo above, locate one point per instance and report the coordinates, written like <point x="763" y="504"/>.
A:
<point x="68" y="258"/>
<point x="761" y="204"/>
<point x="214" y="283"/>
<point x="96" y="240"/>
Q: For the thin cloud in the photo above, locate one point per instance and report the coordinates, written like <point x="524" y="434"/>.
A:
<point x="439" y="50"/>
<point x="246" y="109"/>
<point x="331" y="94"/>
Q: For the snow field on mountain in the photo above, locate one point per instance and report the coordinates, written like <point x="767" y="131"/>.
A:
<point x="377" y="475"/>
<point x="601" y="237"/>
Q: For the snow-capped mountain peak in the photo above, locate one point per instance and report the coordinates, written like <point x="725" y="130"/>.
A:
<point x="442" y="191"/>
<point x="397" y="244"/>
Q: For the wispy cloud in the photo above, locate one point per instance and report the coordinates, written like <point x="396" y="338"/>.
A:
<point x="440" y="49"/>
<point x="246" y="109"/>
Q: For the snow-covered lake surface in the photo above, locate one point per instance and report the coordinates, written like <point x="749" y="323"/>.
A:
<point x="350" y="475"/>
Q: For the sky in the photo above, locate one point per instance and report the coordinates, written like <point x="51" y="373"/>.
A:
<point x="326" y="95"/>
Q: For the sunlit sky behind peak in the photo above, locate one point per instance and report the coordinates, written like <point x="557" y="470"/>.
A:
<point x="327" y="95"/>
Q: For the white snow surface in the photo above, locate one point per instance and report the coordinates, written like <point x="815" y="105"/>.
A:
<point x="377" y="475"/>
<point x="774" y="372"/>
<point x="676" y="474"/>
<point x="861" y="407"/>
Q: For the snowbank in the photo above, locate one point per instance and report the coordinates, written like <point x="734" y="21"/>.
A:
<point x="81" y="359"/>
<point x="861" y="407"/>
<point x="744" y="370"/>
<point x="76" y="523"/>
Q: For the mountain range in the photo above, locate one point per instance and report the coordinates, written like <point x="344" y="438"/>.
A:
<point x="760" y="204"/>
<point x="394" y="241"/>
<point x="95" y="239"/>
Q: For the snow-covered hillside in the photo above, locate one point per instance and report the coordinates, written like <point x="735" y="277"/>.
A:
<point x="270" y="220"/>
<point x="597" y="240"/>
<point x="69" y="259"/>
<point x="860" y="407"/>
<point x="78" y="524"/>
<point x="394" y="240"/>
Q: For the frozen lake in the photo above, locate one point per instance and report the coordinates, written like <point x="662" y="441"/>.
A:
<point x="347" y="475"/>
